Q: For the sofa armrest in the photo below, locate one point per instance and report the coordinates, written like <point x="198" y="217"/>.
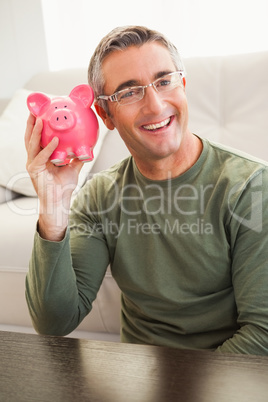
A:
<point x="3" y="104"/>
<point x="7" y="195"/>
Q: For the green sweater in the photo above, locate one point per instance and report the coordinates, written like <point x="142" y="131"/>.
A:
<point x="190" y="255"/>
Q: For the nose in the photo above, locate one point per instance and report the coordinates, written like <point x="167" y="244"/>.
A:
<point x="152" y="101"/>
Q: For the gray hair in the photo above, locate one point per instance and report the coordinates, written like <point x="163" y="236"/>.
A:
<point x="121" y="38"/>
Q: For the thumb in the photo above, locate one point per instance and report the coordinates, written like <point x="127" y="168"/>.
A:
<point x="76" y="164"/>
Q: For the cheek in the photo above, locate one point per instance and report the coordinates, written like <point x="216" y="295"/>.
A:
<point x="182" y="104"/>
<point x="123" y="116"/>
<point x="181" y="96"/>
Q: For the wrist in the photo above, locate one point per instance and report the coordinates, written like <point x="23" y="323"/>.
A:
<point x="52" y="229"/>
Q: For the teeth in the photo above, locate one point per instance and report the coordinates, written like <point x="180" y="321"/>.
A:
<point x="157" y="125"/>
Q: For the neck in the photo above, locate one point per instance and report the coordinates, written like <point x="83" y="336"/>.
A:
<point x="173" y="165"/>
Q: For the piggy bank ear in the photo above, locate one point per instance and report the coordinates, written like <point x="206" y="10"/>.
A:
<point x="37" y="102"/>
<point x="84" y="93"/>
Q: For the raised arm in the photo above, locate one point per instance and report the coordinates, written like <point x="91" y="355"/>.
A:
<point x="64" y="275"/>
<point x="53" y="185"/>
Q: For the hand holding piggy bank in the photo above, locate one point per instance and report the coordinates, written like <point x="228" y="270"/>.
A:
<point x="71" y="120"/>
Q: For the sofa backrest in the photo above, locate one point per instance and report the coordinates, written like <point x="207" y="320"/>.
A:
<point x="228" y="101"/>
<point x="227" y="97"/>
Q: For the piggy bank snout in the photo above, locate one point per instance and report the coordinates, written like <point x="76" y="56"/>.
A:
<point x="62" y="119"/>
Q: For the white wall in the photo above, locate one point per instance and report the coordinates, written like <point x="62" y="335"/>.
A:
<point x="197" y="27"/>
<point x="22" y="43"/>
<point x="37" y="35"/>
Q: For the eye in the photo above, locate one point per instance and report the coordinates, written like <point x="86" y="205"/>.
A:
<point x="65" y="106"/>
<point x="163" y="82"/>
<point x="129" y="93"/>
<point x="56" y="107"/>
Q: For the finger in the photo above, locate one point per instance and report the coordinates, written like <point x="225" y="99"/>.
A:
<point x="29" y="129"/>
<point x="43" y="156"/>
<point x="40" y="163"/>
<point x="76" y="164"/>
<point x="33" y="142"/>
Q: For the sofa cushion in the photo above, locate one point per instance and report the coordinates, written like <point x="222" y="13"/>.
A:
<point x="6" y="195"/>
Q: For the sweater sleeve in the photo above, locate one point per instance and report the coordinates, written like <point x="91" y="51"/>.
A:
<point x="249" y="244"/>
<point x="64" y="278"/>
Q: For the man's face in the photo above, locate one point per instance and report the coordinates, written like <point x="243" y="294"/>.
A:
<point x="154" y="127"/>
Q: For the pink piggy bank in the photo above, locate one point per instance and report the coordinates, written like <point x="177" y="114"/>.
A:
<point x="71" y="120"/>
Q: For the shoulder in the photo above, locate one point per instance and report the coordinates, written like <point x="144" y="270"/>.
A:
<point x="101" y="192"/>
<point x="233" y="162"/>
<point x="115" y="173"/>
<point x="233" y="153"/>
<point x="110" y="179"/>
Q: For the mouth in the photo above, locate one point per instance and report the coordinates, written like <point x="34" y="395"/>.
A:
<point x="158" y="126"/>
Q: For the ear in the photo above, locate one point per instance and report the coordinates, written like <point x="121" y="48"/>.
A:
<point x="37" y="103"/>
<point x="84" y="93"/>
<point x="104" y="116"/>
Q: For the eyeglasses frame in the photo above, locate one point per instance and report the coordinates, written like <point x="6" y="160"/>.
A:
<point x="113" y="97"/>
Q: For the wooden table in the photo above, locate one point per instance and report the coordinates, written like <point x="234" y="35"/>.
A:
<point x="44" y="368"/>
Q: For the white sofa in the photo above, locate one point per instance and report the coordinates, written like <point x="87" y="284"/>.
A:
<point x="228" y="103"/>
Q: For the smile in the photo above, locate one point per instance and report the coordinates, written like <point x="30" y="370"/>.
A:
<point x="157" y="125"/>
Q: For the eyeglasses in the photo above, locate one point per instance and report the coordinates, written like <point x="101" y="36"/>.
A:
<point x="135" y="94"/>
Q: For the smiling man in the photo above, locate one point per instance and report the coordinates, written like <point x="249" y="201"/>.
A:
<point x="182" y="221"/>
<point x="155" y="128"/>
